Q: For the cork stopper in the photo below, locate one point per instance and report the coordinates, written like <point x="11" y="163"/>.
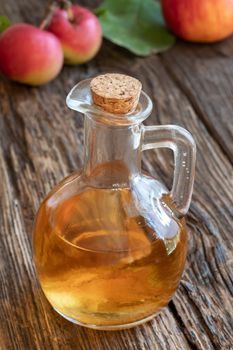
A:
<point x="116" y="93"/>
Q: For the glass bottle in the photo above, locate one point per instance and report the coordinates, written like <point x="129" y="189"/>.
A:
<point x="110" y="241"/>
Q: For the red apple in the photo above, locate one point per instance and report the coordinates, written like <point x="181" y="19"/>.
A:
<point x="199" y="20"/>
<point x="79" y="31"/>
<point x="30" y="55"/>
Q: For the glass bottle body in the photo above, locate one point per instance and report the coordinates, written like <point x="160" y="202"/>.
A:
<point x="109" y="247"/>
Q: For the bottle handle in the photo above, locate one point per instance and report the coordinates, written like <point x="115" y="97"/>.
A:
<point x="181" y="142"/>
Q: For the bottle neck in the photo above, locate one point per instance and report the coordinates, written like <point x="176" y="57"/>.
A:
<point x="112" y="153"/>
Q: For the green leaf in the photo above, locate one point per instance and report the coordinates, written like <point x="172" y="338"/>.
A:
<point x="4" y="23"/>
<point x="136" y="25"/>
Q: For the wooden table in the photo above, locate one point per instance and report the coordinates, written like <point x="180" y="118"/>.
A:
<point x="42" y="141"/>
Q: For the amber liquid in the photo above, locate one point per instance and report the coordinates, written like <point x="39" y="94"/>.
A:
<point x="100" y="263"/>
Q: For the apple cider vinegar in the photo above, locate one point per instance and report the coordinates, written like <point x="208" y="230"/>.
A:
<point x="101" y="266"/>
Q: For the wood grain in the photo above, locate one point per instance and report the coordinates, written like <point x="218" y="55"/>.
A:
<point x="42" y="141"/>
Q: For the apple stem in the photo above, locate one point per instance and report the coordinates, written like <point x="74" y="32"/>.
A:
<point x="63" y="4"/>
<point x="66" y="5"/>
<point x="70" y="14"/>
<point x="49" y="14"/>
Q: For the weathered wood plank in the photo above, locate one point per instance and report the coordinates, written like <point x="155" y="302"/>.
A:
<point x="42" y="141"/>
<point x="205" y="75"/>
